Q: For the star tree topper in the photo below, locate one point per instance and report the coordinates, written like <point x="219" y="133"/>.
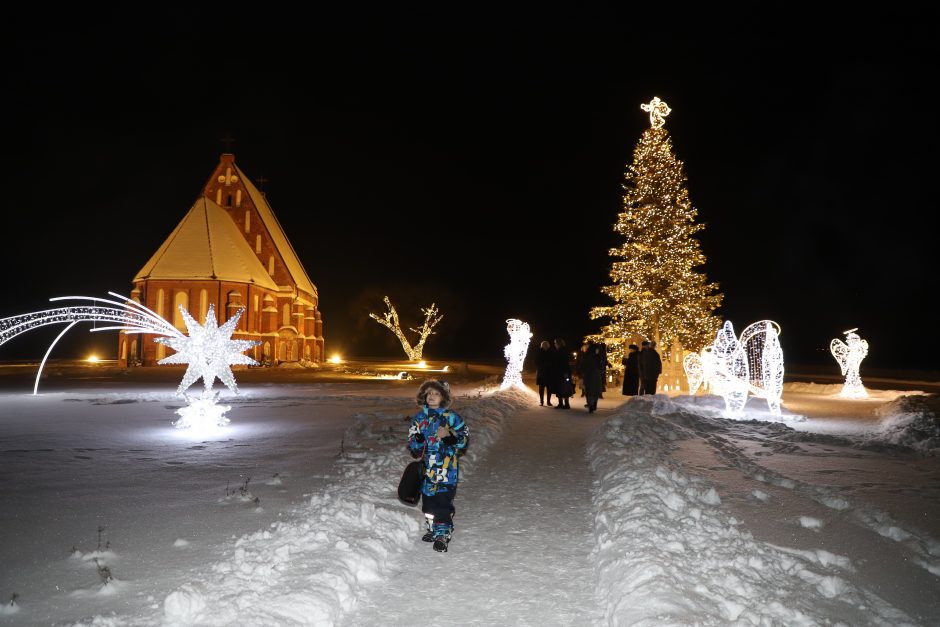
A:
<point x="209" y="350"/>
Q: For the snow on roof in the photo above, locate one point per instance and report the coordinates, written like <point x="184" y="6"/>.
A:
<point x="206" y="244"/>
<point x="291" y="261"/>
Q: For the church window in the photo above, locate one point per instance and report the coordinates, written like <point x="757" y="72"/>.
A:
<point x="271" y="265"/>
<point x="160" y="311"/>
<point x="180" y="299"/>
<point x="228" y="200"/>
<point x="258" y="244"/>
<point x="218" y="196"/>
<point x="238" y="198"/>
<point x="203" y="304"/>
<point x="247" y="222"/>
<point x="286" y="315"/>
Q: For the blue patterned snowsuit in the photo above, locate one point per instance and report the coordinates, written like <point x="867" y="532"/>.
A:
<point x="440" y="462"/>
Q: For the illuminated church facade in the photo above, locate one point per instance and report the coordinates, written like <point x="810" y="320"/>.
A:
<point x="230" y="251"/>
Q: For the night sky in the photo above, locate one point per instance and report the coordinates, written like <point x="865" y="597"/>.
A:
<point x="480" y="167"/>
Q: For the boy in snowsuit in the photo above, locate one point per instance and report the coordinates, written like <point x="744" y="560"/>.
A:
<point x="440" y="435"/>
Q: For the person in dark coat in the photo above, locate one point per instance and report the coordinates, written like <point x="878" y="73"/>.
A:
<point x="591" y="371"/>
<point x="651" y="366"/>
<point x="631" y="371"/>
<point x="545" y="371"/>
<point x="564" y="386"/>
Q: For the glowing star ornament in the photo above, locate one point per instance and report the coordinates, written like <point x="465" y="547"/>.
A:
<point x="209" y="350"/>
<point x="850" y="354"/>
<point x="658" y="111"/>
<point x="515" y="352"/>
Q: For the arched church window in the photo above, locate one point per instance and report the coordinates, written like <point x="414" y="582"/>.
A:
<point x="203" y="304"/>
<point x="181" y="298"/>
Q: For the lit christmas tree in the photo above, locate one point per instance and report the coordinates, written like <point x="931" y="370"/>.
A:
<point x="657" y="292"/>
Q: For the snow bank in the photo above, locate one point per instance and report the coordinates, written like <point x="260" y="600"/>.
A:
<point x="909" y="421"/>
<point x="309" y="568"/>
<point x="668" y="553"/>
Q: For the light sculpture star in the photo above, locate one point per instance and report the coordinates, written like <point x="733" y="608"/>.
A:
<point x="209" y="351"/>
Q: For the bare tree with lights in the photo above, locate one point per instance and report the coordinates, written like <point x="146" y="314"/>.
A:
<point x="390" y="320"/>
<point x="657" y="292"/>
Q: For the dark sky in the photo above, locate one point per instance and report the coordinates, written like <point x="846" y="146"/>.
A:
<point x="480" y="167"/>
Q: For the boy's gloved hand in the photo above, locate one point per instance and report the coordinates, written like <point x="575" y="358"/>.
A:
<point x="449" y="440"/>
<point x="419" y="437"/>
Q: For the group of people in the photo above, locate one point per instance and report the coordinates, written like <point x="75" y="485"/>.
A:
<point x="642" y="368"/>
<point x="553" y="374"/>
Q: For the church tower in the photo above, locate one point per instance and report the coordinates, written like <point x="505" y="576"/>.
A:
<point x="230" y="251"/>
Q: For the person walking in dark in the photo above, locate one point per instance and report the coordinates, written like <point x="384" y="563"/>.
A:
<point x="605" y="364"/>
<point x="631" y="371"/>
<point x="563" y="382"/>
<point x="591" y="371"/>
<point x="651" y="366"/>
<point x="544" y="371"/>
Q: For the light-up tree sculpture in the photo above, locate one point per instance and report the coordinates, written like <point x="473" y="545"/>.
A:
<point x="515" y="352"/>
<point x="850" y="354"/>
<point x="657" y="292"/>
<point x="390" y="321"/>
<point x="208" y="349"/>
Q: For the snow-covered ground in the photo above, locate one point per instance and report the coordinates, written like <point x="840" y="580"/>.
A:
<point x="650" y="512"/>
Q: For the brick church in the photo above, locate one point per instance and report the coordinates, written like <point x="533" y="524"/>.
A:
<point x="230" y="251"/>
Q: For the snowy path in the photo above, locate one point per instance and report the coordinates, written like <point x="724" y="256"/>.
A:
<point x="805" y="508"/>
<point x="523" y="536"/>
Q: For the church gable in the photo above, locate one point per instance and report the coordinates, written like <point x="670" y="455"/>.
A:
<point x="234" y="192"/>
<point x="206" y="244"/>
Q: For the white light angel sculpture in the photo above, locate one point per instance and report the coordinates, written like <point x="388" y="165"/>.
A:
<point x="734" y="367"/>
<point x="850" y="354"/>
<point x="208" y="350"/>
<point x="515" y="352"/>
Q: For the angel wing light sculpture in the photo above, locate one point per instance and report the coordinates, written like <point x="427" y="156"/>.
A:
<point x="850" y="354"/>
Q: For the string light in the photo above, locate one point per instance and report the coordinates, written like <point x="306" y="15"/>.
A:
<point x="850" y="354"/>
<point x="734" y="367"/>
<point x="657" y="290"/>
<point x="515" y="352"/>
<point x="208" y="350"/>
<point x="132" y="317"/>
<point x="765" y="362"/>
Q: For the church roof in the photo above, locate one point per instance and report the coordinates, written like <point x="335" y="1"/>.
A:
<point x="206" y="244"/>
<point x="291" y="261"/>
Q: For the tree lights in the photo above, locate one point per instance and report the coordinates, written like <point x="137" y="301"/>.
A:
<point x="850" y="354"/>
<point x="657" y="292"/>
<point x="515" y="352"/>
<point x="390" y="321"/>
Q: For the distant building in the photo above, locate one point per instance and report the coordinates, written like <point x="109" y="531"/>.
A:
<point x="230" y="251"/>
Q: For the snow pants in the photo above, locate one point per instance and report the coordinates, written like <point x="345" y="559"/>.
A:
<point x="441" y="506"/>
